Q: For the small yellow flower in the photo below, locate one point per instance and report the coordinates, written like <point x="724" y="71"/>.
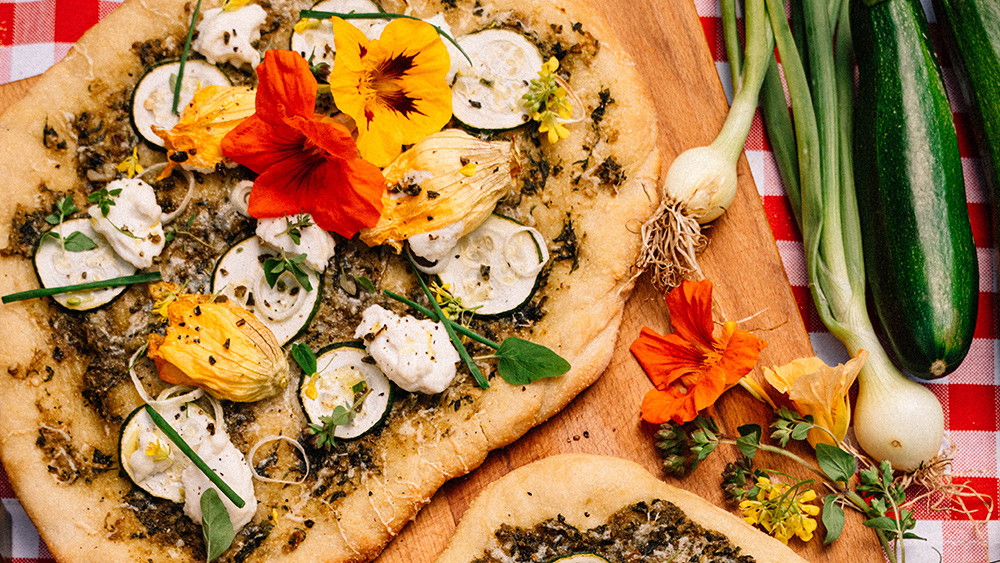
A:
<point x="820" y="391"/>
<point x="548" y="102"/>
<point x="233" y="5"/>
<point x="779" y="513"/>
<point x="130" y="166"/>
<point x="158" y="450"/>
<point x="306" y="24"/>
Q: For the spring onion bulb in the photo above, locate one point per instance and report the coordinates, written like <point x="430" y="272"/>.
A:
<point x="701" y="182"/>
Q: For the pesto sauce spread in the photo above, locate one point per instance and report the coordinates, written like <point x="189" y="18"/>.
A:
<point x="653" y="532"/>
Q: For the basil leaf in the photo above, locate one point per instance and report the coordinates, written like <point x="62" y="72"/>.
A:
<point x="79" y="242"/>
<point x="272" y="269"/>
<point x="749" y="439"/>
<point x="305" y="357"/>
<point x="522" y="362"/>
<point x="837" y="464"/>
<point x="216" y="527"/>
<point x="833" y="518"/>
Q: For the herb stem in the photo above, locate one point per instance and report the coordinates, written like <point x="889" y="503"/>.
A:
<point x="466" y="331"/>
<point x="781" y="451"/>
<point x="462" y="352"/>
<point x="163" y="425"/>
<point x="101" y="284"/>
<point x="318" y="15"/>
<point x="184" y="57"/>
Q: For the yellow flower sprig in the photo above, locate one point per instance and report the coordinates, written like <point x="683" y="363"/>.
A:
<point x="233" y="5"/>
<point x="131" y="167"/>
<point x="782" y="510"/>
<point x="548" y="102"/>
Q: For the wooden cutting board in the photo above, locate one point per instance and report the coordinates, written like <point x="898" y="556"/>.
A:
<point x="666" y="40"/>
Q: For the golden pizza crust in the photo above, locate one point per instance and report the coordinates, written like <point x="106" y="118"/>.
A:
<point x="82" y="520"/>
<point x="586" y="490"/>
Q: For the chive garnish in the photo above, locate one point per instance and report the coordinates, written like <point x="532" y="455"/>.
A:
<point x="434" y="317"/>
<point x="101" y="284"/>
<point x="194" y="457"/>
<point x="184" y="57"/>
<point x="317" y="15"/>
<point x="462" y="352"/>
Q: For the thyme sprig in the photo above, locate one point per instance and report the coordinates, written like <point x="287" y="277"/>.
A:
<point x="342" y="415"/>
<point x="75" y="241"/>
<point x="275" y="266"/>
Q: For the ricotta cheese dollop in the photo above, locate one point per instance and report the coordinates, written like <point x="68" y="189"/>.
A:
<point x="434" y="246"/>
<point x="314" y="242"/>
<point x="133" y="226"/>
<point x="415" y="354"/>
<point x="222" y="456"/>
<point x="227" y="37"/>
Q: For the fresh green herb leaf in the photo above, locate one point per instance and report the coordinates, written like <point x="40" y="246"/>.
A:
<point x="341" y="416"/>
<point x="169" y="236"/>
<point x="63" y="207"/>
<point x="53" y="219"/>
<point x="184" y="57"/>
<point x="113" y="282"/>
<point x="104" y="199"/>
<point x="833" y="518"/>
<point x="360" y="387"/>
<point x="881" y="523"/>
<point x="78" y="242"/>
<point x="274" y="267"/>
<point x="912" y="536"/>
<point x="295" y="226"/>
<point x="305" y="357"/>
<point x="749" y="439"/>
<point x="521" y="362"/>
<point x="216" y="526"/>
<point x="365" y="283"/>
<point x="837" y="464"/>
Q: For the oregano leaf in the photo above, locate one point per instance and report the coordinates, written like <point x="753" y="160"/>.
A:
<point x="216" y="527"/>
<point x="305" y="357"/>
<point x="837" y="464"/>
<point x="521" y="362"/>
<point x="833" y="518"/>
<point x="79" y="242"/>
<point x="749" y="439"/>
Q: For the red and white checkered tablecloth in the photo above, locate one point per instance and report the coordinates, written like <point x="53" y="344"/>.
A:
<point x="34" y="34"/>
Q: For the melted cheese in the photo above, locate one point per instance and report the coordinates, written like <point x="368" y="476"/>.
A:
<point x="227" y="37"/>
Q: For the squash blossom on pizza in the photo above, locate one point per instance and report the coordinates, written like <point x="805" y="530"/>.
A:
<point x="195" y="143"/>
<point x="213" y="344"/>
<point x="695" y="365"/>
<point x="393" y="87"/>
<point x="448" y="178"/>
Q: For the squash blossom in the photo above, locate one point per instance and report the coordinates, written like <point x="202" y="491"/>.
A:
<point x="213" y="344"/>
<point x="820" y="391"/>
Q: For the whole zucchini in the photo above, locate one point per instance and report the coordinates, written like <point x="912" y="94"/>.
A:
<point x="920" y="260"/>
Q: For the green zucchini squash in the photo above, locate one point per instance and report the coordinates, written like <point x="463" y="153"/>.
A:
<point x="920" y="260"/>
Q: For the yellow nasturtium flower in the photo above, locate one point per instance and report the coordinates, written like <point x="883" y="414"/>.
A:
<point x="819" y="390"/>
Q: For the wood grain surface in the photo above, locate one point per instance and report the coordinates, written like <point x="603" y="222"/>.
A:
<point x="666" y="40"/>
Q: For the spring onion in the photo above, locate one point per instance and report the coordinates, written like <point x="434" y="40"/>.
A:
<point x="895" y="419"/>
<point x="184" y="57"/>
<point x="101" y="284"/>
<point x="701" y="183"/>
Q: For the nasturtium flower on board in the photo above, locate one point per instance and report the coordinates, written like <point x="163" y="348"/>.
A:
<point x="820" y="391"/>
<point x="694" y="365"/>
<point x="393" y="87"/>
<point x="780" y="512"/>
<point x="307" y="163"/>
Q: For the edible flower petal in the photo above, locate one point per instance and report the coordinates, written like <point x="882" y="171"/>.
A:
<point x="308" y="163"/>
<point x="549" y="102"/>
<point x="393" y="87"/>
<point x="694" y="365"/>
<point x="196" y="141"/>
<point x="213" y="344"/>
<point x="130" y="167"/>
<point x="820" y="391"/>
<point x="781" y="513"/>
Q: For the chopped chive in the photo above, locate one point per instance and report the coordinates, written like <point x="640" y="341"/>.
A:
<point x="184" y="57"/>
<point x="194" y="457"/>
<point x="462" y="352"/>
<point x="317" y="15"/>
<point x="434" y="317"/>
<point x="101" y="284"/>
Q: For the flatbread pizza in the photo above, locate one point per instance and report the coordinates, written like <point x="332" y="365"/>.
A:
<point x="583" y="508"/>
<point x="330" y="409"/>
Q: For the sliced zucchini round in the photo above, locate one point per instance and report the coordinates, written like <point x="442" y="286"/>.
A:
<point x="315" y="43"/>
<point x="340" y="368"/>
<point x="579" y="558"/>
<point x="286" y="308"/>
<point x="490" y="93"/>
<point x="153" y="96"/>
<point x="495" y="269"/>
<point x="150" y="459"/>
<point x="57" y="267"/>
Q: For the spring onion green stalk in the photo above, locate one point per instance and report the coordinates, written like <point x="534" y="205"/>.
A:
<point x="895" y="419"/>
<point x="178" y="441"/>
<point x="101" y="284"/>
<point x="701" y="183"/>
<point x="184" y="58"/>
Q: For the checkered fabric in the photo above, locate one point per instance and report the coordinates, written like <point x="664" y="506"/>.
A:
<point x="34" y="34"/>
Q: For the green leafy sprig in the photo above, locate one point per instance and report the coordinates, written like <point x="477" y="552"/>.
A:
<point x="186" y="231"/>
<point x="275" y="266"/>
<point x="104" y="199"/>
<point x="342" y="415"/>
<point x="75" y="241"/>
<point x="317" y="15"/>
<point x="519" y="362"/>
<point x="216" y="526"/>
<point x="295" y="225"/>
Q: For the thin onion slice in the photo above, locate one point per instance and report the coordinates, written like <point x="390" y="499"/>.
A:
<point x="539" y="240"/>
<point x="275" y="438"/>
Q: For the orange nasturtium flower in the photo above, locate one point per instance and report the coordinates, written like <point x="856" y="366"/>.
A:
<point x="393" y="87"/>
<point x="694" y="365"/>
<point x="819" y="390"/>
<point x="307" y="163"/>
